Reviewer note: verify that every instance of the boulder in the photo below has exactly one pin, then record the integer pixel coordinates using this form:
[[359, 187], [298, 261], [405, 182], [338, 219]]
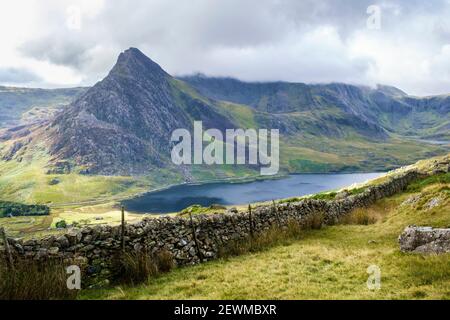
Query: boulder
[[425, 240], [434, 202]]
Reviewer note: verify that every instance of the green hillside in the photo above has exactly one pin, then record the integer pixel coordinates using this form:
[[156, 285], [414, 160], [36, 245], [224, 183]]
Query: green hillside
[[362, 107], [15, 103], [330, 263], [114, 140]]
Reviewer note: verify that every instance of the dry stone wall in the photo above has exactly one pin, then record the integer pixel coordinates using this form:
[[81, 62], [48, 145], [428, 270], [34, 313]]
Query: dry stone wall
[[191, 241]]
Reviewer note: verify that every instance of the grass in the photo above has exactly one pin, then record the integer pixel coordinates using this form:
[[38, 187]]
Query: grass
[[361, 216], [272, 237], [309, 153], [324, 196], [326, 263], [198, 209], [28, 182], [241, 114], [29, 227], [136, 267], [443, 179], [34, 280]]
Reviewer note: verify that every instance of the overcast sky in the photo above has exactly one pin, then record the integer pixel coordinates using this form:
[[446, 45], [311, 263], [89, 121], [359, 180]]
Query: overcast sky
[[55, 43]]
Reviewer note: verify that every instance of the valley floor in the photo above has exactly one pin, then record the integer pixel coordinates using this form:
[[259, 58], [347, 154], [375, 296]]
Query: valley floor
[[330, 263]]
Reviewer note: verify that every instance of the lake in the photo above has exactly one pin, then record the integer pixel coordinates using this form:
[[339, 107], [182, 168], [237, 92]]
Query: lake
[[225, 193]]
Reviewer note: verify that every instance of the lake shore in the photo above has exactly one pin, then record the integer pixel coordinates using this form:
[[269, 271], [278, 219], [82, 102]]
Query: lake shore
[[227, 193]]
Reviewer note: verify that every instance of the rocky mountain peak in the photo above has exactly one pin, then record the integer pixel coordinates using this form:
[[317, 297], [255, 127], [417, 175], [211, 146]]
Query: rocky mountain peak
[[132, 63], [123, 124]]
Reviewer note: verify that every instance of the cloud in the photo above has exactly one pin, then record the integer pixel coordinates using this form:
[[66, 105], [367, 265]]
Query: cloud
[[319, 55], [77, 42], [17, 76], [70, 53]]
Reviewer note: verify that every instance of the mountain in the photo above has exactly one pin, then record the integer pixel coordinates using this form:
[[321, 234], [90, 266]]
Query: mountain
[[18, 105], [379, 108], [122, 126]]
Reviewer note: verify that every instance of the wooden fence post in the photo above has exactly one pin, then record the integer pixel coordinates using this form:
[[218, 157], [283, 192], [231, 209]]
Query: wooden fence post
[[7, 248], [275, 211], [197, 246], [250, 220], [123, 228]]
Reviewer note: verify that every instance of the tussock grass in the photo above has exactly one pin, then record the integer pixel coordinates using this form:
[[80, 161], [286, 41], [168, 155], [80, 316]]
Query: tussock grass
[[132, 268], [360, 216], [313, 221], [35, 280]]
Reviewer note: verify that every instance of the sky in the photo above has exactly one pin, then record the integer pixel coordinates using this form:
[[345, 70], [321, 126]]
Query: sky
[[66, 43]]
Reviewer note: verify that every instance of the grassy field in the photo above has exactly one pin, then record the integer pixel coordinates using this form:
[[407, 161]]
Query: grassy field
[[34, 227], [330, 263], [28, 182]]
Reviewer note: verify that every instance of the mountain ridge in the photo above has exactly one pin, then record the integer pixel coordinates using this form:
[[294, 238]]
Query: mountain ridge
[[370, 104], [124, 122], [122, 125]]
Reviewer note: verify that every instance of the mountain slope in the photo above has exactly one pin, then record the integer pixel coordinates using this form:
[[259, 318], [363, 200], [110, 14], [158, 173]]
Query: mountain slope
[[15, 103], [123, 124], [121, 127], [383, 107]]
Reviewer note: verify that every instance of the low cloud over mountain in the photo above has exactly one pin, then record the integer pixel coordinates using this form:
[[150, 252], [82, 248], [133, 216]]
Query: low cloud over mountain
[[298, 41]]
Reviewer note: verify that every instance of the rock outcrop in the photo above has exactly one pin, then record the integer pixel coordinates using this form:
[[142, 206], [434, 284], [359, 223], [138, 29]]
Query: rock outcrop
[[425, 240], [122, 125]]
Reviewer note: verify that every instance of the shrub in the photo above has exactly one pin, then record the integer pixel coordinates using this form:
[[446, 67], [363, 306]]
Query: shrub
[[132, 268], [324, 196], [289, 200], [164, 261], [34, 280], [313, 221], [19, 209], [360, 216], [61, 224], [356, 191], [194, 209]]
